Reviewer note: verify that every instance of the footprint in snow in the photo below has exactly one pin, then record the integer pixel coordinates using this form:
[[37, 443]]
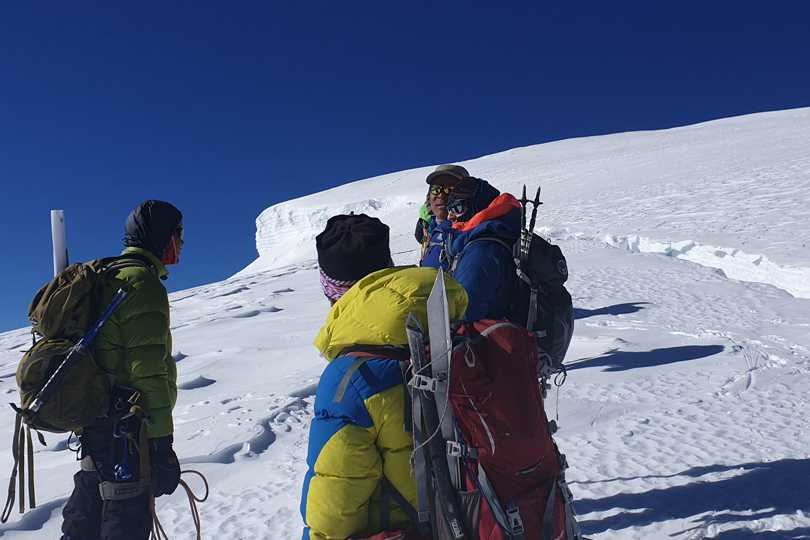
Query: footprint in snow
[[179, 356], [231, 292], [198, 382], [283, 291], [247, 314], [254, 312]]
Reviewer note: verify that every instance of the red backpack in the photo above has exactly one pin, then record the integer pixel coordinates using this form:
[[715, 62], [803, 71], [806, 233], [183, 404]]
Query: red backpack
[[493, 471]]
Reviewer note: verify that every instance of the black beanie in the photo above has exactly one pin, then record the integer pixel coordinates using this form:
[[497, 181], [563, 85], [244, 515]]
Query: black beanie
[[151, 225], [353, 246]]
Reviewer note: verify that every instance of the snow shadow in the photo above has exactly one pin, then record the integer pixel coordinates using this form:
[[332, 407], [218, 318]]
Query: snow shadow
[[760, 491], [197, 382], [748, 534], [34, 520], [616, 360], [616, 309], [256, 445]]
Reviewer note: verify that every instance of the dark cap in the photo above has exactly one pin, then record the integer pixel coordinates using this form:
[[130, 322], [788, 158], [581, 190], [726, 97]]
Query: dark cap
[[447, 175], [353, 246]]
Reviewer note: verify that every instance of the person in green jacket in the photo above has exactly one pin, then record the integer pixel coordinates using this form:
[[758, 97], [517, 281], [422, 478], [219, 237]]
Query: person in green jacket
[[111, 499]]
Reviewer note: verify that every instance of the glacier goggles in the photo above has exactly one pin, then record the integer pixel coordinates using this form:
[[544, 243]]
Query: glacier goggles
[[437, 190], [458, 205]]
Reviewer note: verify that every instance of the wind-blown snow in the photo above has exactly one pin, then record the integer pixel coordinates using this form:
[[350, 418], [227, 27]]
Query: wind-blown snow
[[685, 410]]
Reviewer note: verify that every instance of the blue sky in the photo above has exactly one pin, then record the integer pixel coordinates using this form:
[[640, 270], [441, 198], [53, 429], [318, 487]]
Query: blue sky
[[227, 108]]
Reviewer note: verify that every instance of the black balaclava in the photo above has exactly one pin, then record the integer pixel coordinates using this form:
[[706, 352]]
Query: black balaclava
[[479, 194], [150, 226]]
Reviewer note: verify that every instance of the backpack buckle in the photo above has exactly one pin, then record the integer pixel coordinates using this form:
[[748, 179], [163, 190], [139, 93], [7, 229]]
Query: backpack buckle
[[420, 382], [459, 450], [515, 521]]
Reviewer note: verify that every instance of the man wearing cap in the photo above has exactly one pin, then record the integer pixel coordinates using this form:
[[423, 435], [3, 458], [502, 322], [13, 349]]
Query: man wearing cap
[[431, 215], [475, 244], [359, 450]]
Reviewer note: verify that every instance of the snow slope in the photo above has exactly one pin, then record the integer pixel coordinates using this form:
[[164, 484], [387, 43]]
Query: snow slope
[[684, 413]]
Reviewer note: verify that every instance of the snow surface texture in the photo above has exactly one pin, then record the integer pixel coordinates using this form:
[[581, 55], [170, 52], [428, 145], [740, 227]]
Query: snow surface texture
[[684, 413]]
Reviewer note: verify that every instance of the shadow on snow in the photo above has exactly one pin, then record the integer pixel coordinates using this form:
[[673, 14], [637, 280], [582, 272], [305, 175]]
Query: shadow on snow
[[761, 491], [616, 309], [34, 519], [748, 534], [616, 360]]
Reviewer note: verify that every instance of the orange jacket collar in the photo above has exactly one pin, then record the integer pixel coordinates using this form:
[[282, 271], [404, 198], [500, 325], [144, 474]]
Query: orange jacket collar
[[500, 206]]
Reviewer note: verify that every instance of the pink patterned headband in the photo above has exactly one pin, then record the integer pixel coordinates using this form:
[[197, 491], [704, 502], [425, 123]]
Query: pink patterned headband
[[333, 288]]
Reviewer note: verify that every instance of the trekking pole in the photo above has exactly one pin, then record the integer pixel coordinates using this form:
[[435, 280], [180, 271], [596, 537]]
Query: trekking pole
[[60, 254], [536, 202], [83, 344], [523, 201]]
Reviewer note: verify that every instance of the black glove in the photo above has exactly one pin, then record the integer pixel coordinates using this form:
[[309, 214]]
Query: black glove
[[165, 467]]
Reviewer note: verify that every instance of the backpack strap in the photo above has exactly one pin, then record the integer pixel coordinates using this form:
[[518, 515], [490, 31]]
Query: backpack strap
[[387, 489], [22, 447], [360, 359], [129, 260], [457, 258], [362, 354], [498, 511]]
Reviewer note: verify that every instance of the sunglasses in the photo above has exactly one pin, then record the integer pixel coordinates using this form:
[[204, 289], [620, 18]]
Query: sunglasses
[[457, 206], [438, 190]]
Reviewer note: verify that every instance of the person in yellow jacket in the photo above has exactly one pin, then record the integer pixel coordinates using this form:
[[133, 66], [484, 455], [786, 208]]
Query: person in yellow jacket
[[358, 438]]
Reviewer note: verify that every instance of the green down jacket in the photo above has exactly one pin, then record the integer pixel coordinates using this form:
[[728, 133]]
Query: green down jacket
[[136, 345]]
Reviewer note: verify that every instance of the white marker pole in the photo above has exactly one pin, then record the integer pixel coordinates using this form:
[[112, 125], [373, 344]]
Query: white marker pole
[[60, 255]]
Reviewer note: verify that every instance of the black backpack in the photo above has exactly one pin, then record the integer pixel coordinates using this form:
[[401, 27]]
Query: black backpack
[[539, 300]]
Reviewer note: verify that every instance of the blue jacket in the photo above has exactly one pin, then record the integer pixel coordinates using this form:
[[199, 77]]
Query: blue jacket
[[352, 443], [486, 268]]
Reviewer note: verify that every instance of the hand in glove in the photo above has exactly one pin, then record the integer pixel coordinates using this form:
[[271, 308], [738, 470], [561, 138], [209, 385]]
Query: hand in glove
[[165, 467]]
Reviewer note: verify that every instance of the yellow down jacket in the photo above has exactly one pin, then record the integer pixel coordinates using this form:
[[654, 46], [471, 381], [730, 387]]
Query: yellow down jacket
[[358, 432]]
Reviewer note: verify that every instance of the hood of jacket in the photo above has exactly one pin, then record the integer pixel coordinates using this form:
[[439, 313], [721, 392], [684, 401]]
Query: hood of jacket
[[483, 195], [375, 309], [150, 226]]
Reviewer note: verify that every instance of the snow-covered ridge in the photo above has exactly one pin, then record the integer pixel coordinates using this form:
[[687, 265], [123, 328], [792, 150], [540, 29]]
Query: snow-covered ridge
[[742, 184], [286, 232]]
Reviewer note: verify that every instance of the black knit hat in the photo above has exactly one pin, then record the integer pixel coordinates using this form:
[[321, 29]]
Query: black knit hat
[[151, 225], [353, 246]]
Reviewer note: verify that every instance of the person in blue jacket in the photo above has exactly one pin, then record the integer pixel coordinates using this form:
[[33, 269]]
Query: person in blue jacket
[[475, 244]]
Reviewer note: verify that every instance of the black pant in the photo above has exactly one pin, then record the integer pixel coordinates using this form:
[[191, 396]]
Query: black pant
[[86, 515]]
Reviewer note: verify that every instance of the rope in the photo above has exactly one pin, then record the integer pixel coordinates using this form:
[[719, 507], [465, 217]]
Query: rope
[[158, 533]]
